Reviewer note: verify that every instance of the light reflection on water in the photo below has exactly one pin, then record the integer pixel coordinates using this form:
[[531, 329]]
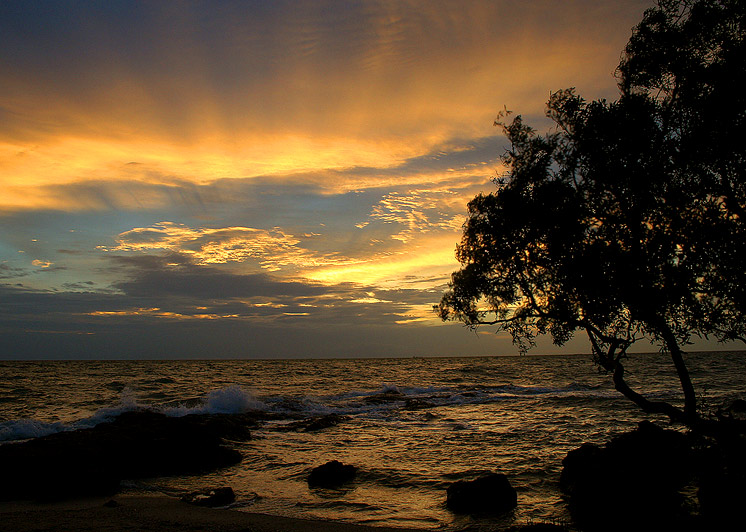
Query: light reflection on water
[[516, 415]]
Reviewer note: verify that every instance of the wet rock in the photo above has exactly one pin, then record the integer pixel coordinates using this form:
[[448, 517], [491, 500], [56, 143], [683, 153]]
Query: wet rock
[[331, 474], [385, 397], [135, 445], [324, 422], [490, 493], [417, 404], [211, 497], [639, 473], [389, 393]]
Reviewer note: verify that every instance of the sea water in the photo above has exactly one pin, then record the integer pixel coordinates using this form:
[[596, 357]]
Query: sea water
[[413, 426]]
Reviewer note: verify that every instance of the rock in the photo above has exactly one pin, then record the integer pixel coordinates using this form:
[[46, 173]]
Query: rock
[[578, 466], [387, 396], [211, 497], [722, 475], [324, 422], [331, 474], [490, 493], [639, 474], [135, 445], [417, 404]]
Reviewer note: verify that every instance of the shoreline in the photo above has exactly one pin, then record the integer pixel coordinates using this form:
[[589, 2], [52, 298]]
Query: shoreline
[[156, 513]]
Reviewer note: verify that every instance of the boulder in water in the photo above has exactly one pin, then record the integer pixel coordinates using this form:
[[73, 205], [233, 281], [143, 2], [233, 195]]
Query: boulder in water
[[413, 403], [324, 422], [331, 474], [639, 473], [135, 445], [491, 493]]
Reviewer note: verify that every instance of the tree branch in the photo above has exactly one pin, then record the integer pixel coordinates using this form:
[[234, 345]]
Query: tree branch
[[611, 361]]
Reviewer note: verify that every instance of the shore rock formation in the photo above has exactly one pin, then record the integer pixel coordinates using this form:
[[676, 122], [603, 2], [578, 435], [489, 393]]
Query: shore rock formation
[[136, 444], [331, 474], [637, 477], [490, 493]]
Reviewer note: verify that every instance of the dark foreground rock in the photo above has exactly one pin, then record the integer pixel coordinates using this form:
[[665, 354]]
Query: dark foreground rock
[[331, 474], [634, 480], [211, 498], [490, 493], [722, 472], [135, 445]]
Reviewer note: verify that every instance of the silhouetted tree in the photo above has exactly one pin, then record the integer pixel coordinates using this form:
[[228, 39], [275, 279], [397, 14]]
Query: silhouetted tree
[[626, 221]]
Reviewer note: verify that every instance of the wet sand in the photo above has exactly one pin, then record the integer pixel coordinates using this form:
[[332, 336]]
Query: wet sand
[[151, 513]]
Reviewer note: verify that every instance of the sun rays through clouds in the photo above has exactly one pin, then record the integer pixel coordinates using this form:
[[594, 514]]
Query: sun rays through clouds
[[253, 171]]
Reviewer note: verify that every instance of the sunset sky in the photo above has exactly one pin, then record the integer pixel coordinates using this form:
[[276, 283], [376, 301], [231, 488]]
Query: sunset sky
[[263, 178]]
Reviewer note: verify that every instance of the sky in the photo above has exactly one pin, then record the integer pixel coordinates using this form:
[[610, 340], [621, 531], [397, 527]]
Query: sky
[[264, 179]]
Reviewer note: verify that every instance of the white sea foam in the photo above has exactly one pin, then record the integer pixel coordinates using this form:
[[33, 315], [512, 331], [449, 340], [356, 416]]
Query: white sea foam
[[232, 399], [24, 429]]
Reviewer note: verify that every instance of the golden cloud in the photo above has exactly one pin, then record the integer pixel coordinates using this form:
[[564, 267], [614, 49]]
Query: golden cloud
[[372, 86]]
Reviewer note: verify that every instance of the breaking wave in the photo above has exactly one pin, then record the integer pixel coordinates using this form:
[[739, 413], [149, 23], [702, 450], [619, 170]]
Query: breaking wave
[[231, 399]]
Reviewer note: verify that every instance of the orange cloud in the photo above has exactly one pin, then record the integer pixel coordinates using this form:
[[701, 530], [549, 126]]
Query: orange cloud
[[271, 250], [371, 86]]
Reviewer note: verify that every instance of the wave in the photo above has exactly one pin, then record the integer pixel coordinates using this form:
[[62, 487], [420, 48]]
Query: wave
[[231, 399], [379, 402], [24, 429]]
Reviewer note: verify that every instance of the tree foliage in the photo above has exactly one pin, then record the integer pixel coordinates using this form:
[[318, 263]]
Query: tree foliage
[[626, 221]]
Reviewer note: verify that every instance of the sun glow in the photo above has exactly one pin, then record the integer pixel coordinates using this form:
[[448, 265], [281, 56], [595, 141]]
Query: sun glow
[[424, 265]]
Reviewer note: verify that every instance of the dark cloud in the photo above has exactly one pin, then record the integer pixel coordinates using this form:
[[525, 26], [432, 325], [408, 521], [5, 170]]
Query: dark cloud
[[11, 272], [82, 285], [175, 275], [145, 320]]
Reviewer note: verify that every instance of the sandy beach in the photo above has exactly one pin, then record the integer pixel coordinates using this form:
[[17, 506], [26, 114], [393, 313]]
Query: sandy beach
[[154, 513]]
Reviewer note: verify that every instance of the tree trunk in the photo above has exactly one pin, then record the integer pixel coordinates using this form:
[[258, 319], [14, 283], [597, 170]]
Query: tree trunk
[[677, 356]]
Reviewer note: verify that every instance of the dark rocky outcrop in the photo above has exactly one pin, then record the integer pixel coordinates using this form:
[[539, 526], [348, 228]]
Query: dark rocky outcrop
[[656, 479], [211, 497], [331, 474], [490, 493], [135, 445], [721, 462], [635, 479]]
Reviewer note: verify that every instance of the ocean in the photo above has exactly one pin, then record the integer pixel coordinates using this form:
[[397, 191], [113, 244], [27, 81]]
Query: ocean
[[413, 426]]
